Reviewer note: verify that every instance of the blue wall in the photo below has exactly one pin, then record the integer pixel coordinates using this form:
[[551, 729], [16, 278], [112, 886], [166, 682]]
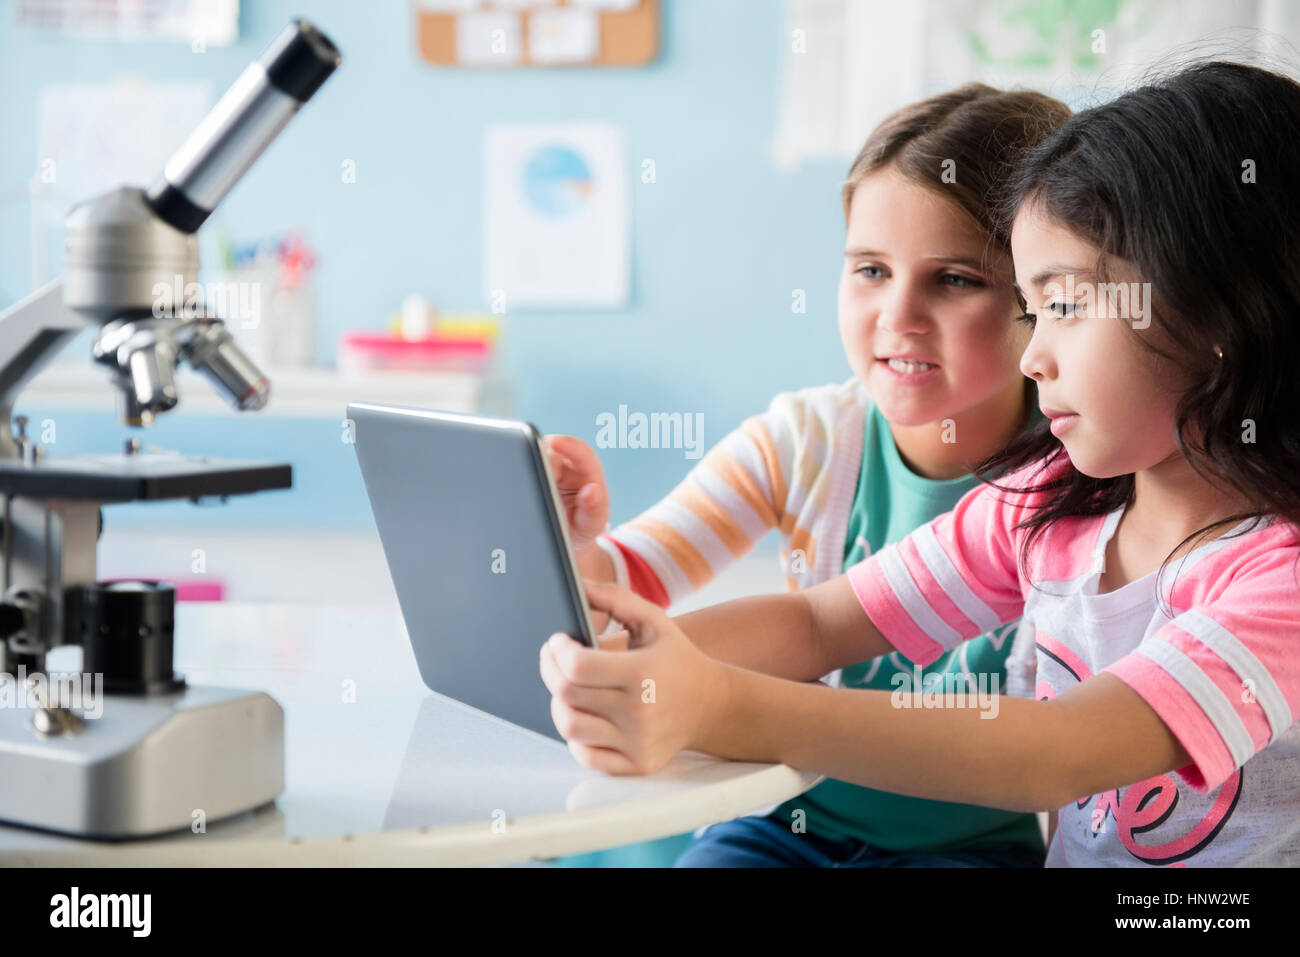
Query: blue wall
[[719, 241]]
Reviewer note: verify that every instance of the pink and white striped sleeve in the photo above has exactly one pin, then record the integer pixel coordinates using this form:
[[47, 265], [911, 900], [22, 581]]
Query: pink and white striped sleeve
[[951, 579], [1224, 675]]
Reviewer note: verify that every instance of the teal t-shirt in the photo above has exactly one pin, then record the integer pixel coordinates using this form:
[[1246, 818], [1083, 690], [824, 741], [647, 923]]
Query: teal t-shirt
[[892, 501]]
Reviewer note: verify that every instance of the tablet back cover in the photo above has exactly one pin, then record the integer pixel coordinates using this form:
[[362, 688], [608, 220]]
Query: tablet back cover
[[479, 569]]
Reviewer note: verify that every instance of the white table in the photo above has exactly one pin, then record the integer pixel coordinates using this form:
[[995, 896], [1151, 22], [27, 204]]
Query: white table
[[402, 776]]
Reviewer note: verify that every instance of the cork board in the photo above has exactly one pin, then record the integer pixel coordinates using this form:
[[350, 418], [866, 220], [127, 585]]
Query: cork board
[[503, 34]]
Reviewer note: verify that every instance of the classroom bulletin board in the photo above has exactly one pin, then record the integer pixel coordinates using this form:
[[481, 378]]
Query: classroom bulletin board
[[537, 33]]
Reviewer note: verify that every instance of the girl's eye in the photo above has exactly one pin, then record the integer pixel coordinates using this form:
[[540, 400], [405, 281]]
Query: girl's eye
[[1061, 309], [958, 281], [879, 272], [1028, 318]]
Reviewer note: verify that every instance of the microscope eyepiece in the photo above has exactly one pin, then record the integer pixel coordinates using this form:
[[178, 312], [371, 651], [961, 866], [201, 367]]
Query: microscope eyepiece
[[300, 59], [243, 123]]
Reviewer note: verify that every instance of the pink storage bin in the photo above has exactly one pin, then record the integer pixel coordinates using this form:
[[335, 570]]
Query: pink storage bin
[[380, 352]]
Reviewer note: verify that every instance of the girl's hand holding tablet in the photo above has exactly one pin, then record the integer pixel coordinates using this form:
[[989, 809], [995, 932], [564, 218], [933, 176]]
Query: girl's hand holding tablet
[[580, 480], [629, 713]]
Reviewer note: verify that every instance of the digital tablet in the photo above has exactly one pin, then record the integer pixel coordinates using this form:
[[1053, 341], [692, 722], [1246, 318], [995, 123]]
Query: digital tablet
[[478, 549]]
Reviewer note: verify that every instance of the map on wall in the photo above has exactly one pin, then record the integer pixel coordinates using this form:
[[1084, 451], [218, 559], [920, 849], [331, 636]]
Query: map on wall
[[849, 63], [1096, 46]]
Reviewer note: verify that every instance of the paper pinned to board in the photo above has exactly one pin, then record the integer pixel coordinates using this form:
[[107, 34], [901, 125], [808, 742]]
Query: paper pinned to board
[[489, 37], [557, 216], [95, 137], [564, 35]]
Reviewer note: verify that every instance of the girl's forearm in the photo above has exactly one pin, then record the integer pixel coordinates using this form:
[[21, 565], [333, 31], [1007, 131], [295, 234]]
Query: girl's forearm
[[773, 634], [1011, 760]]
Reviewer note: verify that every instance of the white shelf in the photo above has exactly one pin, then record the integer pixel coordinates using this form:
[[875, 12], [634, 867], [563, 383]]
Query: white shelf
[[295, 393]]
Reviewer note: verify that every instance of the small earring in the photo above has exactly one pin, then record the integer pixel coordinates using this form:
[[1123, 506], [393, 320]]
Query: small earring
[[1218, 352]]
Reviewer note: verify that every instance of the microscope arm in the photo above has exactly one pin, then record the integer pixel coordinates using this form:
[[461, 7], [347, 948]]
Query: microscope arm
[[32, 331]]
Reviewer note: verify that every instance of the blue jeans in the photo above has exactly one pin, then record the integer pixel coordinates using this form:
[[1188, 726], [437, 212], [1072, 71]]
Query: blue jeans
[[762, 842]]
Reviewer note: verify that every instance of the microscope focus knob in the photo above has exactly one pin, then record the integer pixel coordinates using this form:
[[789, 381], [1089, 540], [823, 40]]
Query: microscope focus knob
[[12, 619], [125, 632]]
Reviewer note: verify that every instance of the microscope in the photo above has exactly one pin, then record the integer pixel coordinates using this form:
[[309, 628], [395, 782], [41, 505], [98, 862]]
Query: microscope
[[153, 753]]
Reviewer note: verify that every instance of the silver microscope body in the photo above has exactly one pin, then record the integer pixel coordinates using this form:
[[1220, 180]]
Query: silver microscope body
[[155, 754]]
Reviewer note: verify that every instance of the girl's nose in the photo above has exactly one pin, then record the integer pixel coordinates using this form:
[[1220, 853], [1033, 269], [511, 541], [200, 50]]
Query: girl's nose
[[1035, 362], [903, 312]]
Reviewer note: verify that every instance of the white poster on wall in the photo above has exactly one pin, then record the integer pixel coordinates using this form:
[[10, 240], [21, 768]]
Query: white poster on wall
[[200, 23], [557, 216], [95, 137]]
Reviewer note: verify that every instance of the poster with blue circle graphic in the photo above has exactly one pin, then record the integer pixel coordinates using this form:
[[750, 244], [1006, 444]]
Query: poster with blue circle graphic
[[557, 216], [557, 181]]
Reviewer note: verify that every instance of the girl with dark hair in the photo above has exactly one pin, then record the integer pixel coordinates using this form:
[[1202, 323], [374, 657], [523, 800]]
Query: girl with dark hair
[[1153, 249]]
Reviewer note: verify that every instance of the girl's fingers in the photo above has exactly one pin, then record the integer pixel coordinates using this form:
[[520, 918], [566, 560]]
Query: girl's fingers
[[572, 462], [609, 760], [560, 444], [633, 611], [603, 702], [588, 667], [562, 470], [618, 641], [590, 517], [551, 676], [589, 729], [578, 452]]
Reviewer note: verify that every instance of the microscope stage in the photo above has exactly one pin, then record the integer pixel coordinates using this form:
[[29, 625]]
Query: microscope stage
[[142, 476]]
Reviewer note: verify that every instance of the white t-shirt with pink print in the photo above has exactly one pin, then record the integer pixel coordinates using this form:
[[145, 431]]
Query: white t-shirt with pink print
[[1218, 660]]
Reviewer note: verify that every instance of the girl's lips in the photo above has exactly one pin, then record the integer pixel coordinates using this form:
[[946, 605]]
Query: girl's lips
[[1063, 423], [907, 378]]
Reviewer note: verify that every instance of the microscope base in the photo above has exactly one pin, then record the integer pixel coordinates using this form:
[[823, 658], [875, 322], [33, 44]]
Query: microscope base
[[146, 765]]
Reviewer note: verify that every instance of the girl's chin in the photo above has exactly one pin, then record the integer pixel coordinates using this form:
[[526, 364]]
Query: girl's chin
[[908, 415], [906, 409], [1092, 465]]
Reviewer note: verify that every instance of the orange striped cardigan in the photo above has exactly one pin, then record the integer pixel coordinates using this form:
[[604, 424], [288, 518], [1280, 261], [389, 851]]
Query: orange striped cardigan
[[793, 467]]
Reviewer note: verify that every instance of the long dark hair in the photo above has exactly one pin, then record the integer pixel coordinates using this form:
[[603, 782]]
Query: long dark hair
[[1195, 181]]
